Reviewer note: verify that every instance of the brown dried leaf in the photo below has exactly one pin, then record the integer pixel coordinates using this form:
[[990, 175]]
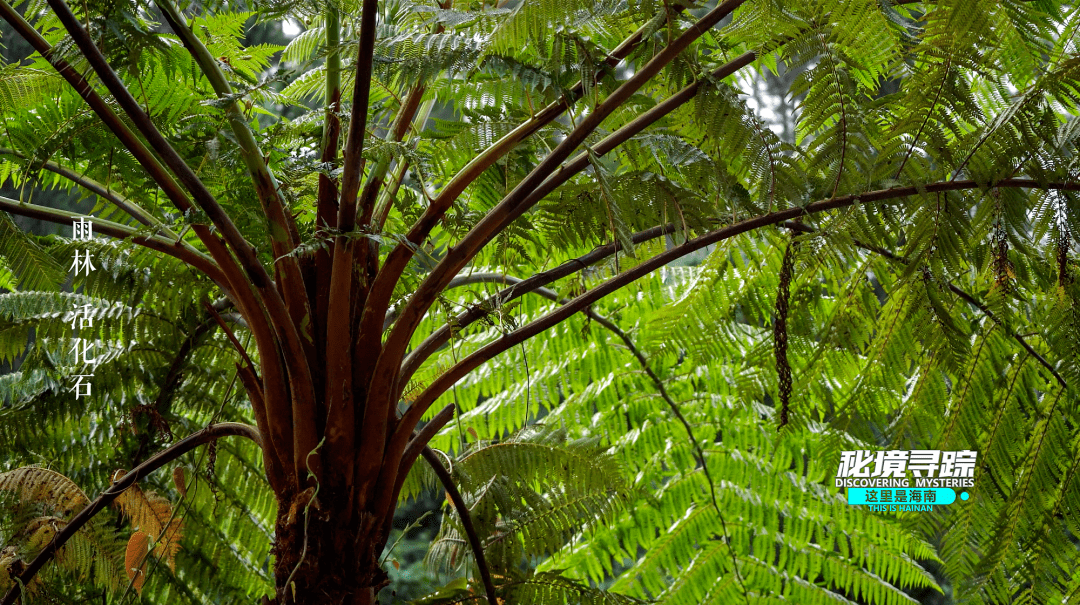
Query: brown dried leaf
[[135, 558], [180, 480], [152, 514]]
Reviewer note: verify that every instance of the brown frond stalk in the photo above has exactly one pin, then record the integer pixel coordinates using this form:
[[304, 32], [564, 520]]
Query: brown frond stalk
[[466, 520]]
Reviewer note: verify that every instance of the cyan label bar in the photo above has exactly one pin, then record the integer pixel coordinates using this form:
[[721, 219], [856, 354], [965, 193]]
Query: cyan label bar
[[901, 495]]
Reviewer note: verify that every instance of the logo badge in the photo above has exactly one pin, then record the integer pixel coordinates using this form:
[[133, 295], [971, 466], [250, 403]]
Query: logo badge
[[906, 480]]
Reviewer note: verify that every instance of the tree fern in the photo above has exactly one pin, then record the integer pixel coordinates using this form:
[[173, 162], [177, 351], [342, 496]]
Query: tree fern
[[640, 327]]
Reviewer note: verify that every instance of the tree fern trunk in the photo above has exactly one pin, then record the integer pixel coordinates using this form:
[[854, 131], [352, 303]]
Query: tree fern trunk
[[320, 561]]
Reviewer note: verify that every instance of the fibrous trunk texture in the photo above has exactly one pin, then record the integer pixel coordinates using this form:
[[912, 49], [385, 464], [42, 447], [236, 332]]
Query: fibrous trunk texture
[[321, 560]]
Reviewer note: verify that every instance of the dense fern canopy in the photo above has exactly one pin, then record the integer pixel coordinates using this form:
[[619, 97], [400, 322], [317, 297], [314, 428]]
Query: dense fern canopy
[[636, 319]]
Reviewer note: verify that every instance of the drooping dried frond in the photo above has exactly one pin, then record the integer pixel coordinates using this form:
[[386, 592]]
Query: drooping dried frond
[[92, 555], [55, 491]]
